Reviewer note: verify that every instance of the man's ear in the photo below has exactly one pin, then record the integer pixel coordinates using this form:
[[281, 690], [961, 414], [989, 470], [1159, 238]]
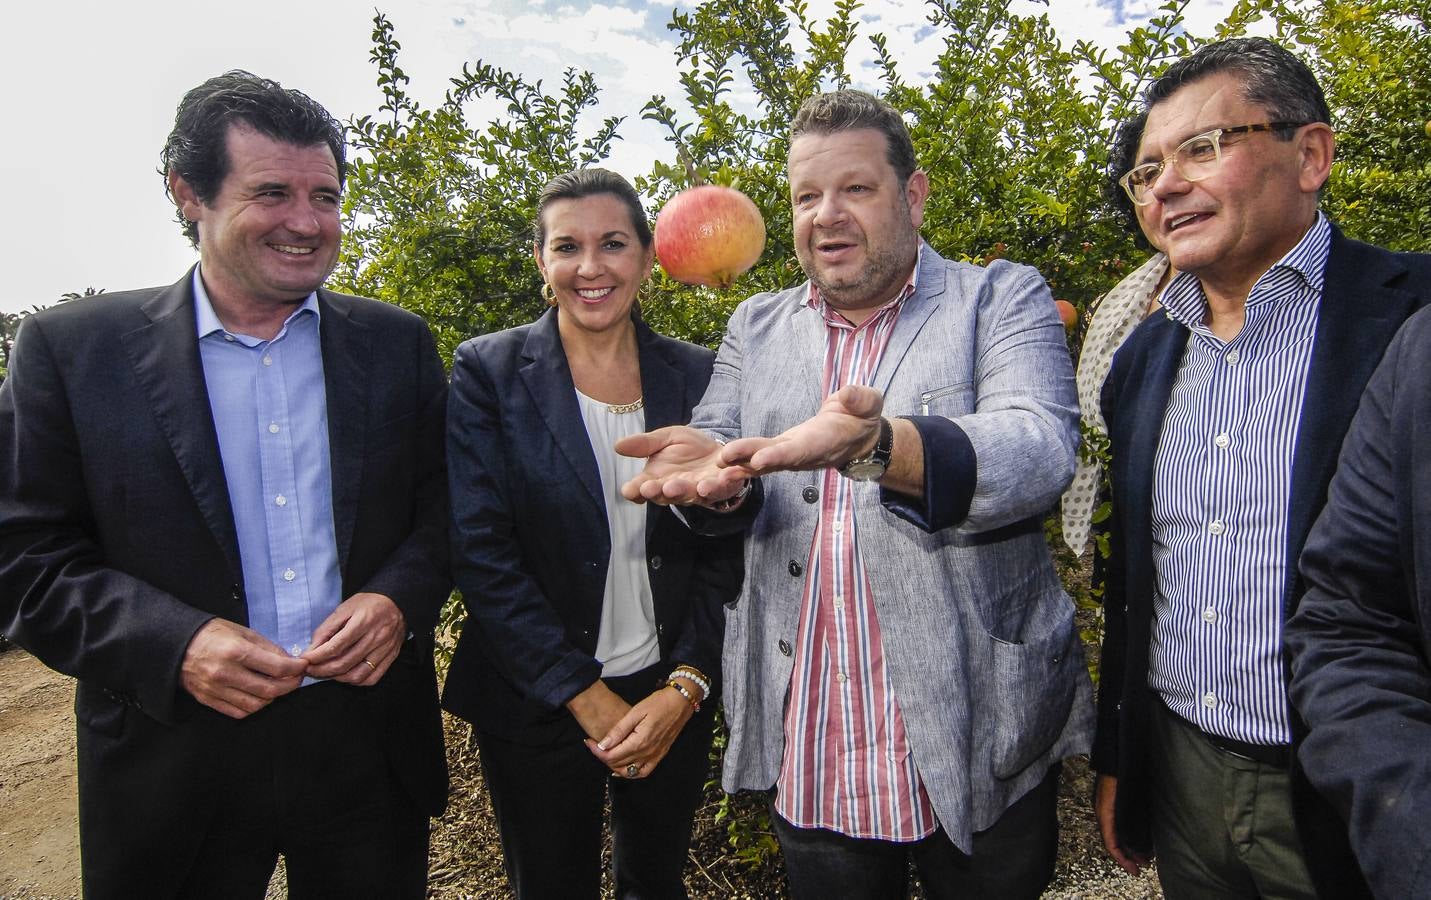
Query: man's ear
[[916, 191], [185, 198], [1316, 147]]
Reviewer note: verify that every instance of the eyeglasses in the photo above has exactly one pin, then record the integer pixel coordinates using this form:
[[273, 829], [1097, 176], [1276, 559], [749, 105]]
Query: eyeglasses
[[1195, 159]]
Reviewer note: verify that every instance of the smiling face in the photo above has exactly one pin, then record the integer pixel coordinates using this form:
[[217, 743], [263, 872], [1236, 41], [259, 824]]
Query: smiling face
[[593, 260], [270, 235], [856, 225], [1234, 225]]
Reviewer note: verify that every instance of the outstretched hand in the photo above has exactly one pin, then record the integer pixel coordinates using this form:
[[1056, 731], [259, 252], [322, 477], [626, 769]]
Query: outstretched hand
[[846, 427], [683, 466]]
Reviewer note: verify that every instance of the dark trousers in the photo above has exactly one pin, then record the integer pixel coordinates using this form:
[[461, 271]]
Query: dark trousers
[[549, 800], [1222, 825], [315, 786], [1011, 859]]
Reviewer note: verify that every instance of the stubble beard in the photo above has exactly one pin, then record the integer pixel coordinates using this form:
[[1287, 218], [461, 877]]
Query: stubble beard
[[876, 284]]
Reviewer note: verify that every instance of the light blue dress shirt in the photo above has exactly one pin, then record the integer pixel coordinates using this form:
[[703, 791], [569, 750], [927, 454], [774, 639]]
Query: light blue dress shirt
[[271, 414]]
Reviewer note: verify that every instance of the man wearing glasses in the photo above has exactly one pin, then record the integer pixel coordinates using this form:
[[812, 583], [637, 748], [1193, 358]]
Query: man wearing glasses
[[1225, 416]]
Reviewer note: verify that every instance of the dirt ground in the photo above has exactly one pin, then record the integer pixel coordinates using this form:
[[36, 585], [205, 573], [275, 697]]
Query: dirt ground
[[39, 840], [39, 847]]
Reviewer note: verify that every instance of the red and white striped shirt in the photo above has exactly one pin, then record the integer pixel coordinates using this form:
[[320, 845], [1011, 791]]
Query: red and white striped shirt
[[847, 765]]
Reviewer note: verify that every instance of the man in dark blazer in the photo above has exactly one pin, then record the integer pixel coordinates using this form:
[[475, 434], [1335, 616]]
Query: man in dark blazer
[[1225, 412], [1361, 640], [222, 509]]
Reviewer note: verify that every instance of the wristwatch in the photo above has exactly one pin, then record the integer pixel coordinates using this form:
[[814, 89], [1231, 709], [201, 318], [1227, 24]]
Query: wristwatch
[[872, 467]]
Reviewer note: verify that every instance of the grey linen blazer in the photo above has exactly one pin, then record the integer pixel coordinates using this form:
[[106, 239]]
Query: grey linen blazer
[[978, 633]]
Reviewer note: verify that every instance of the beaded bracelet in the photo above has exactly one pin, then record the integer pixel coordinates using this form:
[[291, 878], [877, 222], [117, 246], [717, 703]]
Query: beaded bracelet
[[680, 689], [695, 676]]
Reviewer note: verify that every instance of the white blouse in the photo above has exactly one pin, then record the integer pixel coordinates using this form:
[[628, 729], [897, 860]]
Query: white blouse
[[627, 640]]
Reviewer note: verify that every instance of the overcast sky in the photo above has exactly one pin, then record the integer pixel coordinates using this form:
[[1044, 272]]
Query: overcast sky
[[92, 86]]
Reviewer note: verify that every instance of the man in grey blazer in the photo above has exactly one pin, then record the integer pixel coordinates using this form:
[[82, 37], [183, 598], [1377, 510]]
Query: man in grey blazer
[[902, 666], [223, 509]]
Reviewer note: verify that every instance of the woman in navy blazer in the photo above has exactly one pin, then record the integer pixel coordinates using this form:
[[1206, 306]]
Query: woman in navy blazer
[[591, 648]]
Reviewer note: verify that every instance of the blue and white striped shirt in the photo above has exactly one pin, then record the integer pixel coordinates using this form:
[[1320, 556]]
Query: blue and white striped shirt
[[1221, 489]]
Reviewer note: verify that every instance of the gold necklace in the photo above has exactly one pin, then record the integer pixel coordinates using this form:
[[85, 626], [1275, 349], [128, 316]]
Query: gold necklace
[[622, 408]]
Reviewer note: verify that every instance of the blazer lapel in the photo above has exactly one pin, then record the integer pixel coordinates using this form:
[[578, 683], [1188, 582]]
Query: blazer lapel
[[165, 357], [917, 310], [1358, 316], [548, 380], [663, 390], [1141, 414], [346, 345]]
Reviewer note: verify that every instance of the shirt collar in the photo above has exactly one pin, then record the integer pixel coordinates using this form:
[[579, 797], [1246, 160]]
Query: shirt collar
[[207, 321], [1186, 303], [817, 303]]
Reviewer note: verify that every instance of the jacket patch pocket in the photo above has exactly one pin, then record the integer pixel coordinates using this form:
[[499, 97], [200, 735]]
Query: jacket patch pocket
[[1034, 686]]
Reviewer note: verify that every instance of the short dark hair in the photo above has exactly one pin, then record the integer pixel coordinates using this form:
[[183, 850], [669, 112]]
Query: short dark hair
[[1271, 75], [197, 150], [587, 183], [1122, 156], [848, 109]]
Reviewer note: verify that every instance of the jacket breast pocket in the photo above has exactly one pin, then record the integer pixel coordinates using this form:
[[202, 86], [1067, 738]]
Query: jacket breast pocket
[[950, 400], [391, 432]]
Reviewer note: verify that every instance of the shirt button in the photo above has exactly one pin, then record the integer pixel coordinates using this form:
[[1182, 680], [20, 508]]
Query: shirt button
[[1232, 357], [840, 677], [273, 428], [810, 494], [1216, 527], [267, 360], [295, 650], [838, 527], [1209, 615], [230, 338], [280, 500], [289, 574], [839, 604], [1209, 699], [1222, 440]]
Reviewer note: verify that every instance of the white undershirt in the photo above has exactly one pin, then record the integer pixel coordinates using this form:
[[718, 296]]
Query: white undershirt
[[627, 640]]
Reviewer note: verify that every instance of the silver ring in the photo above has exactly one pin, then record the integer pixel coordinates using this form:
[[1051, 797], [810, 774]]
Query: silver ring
[[633, 770]]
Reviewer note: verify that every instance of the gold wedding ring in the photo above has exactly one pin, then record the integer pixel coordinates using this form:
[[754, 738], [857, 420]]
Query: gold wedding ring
[[370, 664]]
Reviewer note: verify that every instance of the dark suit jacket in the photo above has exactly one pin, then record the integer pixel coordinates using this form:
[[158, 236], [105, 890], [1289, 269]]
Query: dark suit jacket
[[530, 538], [117, 542], [1361, 640], [1368, 293]]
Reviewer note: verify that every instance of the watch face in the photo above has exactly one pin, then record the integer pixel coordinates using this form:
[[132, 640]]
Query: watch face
[[863, 470]]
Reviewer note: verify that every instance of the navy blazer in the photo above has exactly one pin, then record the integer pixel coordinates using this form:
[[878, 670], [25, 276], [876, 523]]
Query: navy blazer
[[117, 542], [1368, 292], [530, 538], [1361, 640]]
